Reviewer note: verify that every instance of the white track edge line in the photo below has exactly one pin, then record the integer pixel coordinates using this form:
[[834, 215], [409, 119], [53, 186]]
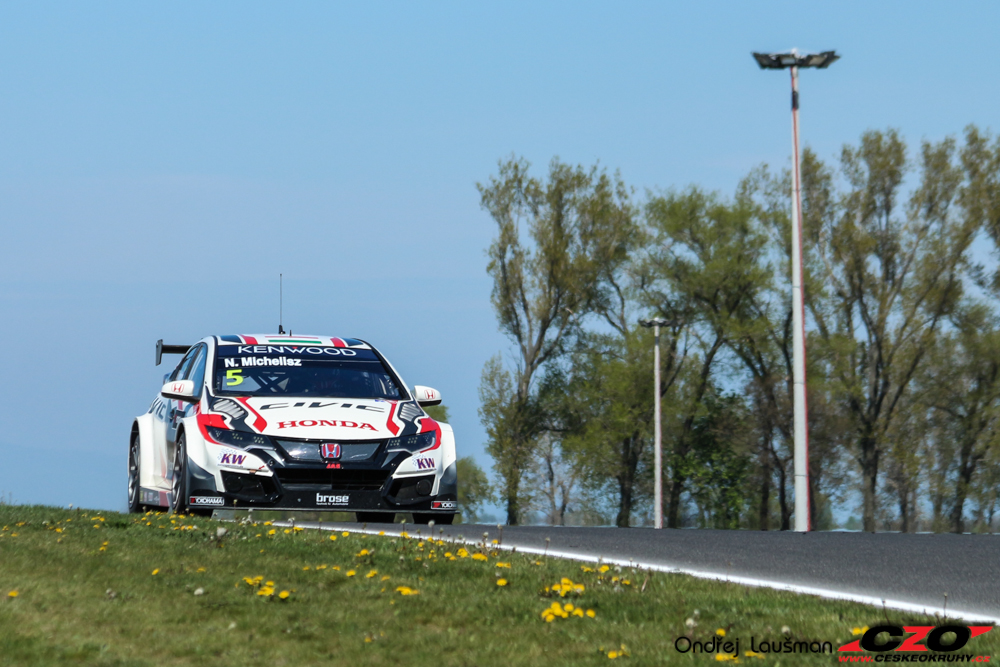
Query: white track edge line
[[830, 594]]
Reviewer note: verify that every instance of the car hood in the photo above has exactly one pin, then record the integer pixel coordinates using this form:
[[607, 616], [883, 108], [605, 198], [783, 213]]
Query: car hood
[[321, 419]]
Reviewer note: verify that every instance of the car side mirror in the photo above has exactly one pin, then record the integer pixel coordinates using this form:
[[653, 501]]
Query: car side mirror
[[426, 396], [180, 390]]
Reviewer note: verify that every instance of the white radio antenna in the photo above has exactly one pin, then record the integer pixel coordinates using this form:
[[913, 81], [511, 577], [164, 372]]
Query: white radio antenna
[[281, 294]]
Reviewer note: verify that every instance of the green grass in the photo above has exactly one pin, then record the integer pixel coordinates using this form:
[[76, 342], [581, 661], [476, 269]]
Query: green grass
[[77, 604]]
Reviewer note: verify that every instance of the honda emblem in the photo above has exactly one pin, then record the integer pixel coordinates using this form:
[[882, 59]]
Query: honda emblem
[[331, 450]]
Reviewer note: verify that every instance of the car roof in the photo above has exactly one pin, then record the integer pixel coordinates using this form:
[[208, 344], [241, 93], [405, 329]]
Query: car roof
[[288, 339]]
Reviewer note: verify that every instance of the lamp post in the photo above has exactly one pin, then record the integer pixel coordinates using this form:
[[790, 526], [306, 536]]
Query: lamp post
[[656, 323], [793, 60]]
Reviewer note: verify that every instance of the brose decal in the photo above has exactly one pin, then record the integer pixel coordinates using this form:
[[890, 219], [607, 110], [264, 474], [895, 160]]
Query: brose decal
[[206, 500], [331, 500]]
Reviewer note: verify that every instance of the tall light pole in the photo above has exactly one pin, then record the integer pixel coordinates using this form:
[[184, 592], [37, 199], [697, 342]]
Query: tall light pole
[[793, 61], [656, 323]]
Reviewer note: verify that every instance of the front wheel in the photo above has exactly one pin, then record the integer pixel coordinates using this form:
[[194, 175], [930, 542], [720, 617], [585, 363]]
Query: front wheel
[[178, 486], [134, 490]]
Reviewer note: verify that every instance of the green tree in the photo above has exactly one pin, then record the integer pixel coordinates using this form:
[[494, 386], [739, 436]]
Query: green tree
[[544, 283], [706, 263], [473, 489], [891, 279]]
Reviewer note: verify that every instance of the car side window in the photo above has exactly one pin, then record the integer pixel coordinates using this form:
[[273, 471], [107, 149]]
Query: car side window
[[197, 372], [181, 372]]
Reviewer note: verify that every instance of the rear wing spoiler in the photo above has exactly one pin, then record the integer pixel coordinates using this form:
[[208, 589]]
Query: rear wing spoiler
[[162, 349]]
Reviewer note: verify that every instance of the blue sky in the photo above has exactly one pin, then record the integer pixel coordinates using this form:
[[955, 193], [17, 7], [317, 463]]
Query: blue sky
[[161, 163]]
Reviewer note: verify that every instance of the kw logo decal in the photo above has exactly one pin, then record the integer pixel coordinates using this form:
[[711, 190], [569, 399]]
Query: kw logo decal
[[425, 464], [228, 458]]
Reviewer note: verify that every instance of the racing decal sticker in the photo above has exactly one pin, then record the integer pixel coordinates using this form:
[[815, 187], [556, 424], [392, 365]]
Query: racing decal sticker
[[233, 362], [443, 505], [231, 458], [259, 423], [206, 500], [322, 499], [424, 463], [325, 422], [321, 404]]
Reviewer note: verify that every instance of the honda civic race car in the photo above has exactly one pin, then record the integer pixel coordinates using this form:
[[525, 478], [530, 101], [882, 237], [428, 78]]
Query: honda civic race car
[[291, 423]]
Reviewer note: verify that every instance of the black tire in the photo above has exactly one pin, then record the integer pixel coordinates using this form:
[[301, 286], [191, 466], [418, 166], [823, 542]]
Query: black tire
[[179, 484], [375, 517], [438, 519], [134, 490]]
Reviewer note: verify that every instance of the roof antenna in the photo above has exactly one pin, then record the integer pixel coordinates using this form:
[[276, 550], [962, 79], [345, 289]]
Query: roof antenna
[[281, 319]]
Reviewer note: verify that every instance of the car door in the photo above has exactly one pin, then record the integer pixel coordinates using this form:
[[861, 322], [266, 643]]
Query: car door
[[172, 412]]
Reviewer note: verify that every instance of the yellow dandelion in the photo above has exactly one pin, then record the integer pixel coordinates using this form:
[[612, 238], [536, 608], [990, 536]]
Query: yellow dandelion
[[506, 565], [479, 557], [859, 631], [156, 571], [363, 552], [447, 554], [200, 569], [549, 618], [284, 595], [371, 574], [721, 632], [337, 568], [612, 654], [306, 568], [333, 538], [321, 567], [266, 591], [501, 582], [753, 654], [345, 533], [287, 530], [298, 529], [602, 569], [591, 613], [351, 573], [586, 569], [404, 534], [272, 531], [381, 532], [12, 594], [462, 553], [386, 577]]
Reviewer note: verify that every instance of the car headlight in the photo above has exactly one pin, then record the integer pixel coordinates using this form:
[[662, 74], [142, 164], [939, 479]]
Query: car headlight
[[241, 439], [412, 443]]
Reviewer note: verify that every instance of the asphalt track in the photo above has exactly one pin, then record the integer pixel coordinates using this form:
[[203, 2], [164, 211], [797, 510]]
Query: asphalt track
[[908, 572]]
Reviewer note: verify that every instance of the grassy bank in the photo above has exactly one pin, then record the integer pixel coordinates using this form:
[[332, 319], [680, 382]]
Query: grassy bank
[[112, 589]]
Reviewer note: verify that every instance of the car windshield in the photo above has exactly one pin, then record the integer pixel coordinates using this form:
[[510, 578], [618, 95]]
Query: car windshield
[[328, 372]]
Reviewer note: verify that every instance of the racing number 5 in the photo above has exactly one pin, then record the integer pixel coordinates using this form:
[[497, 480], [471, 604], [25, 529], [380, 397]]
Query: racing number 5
[[234, 376]]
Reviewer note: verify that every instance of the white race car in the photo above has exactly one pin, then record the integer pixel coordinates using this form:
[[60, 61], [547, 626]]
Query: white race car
[[291, 423]]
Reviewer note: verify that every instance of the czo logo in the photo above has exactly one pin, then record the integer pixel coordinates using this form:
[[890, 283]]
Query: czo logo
[[924, 637], [331, 450]]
